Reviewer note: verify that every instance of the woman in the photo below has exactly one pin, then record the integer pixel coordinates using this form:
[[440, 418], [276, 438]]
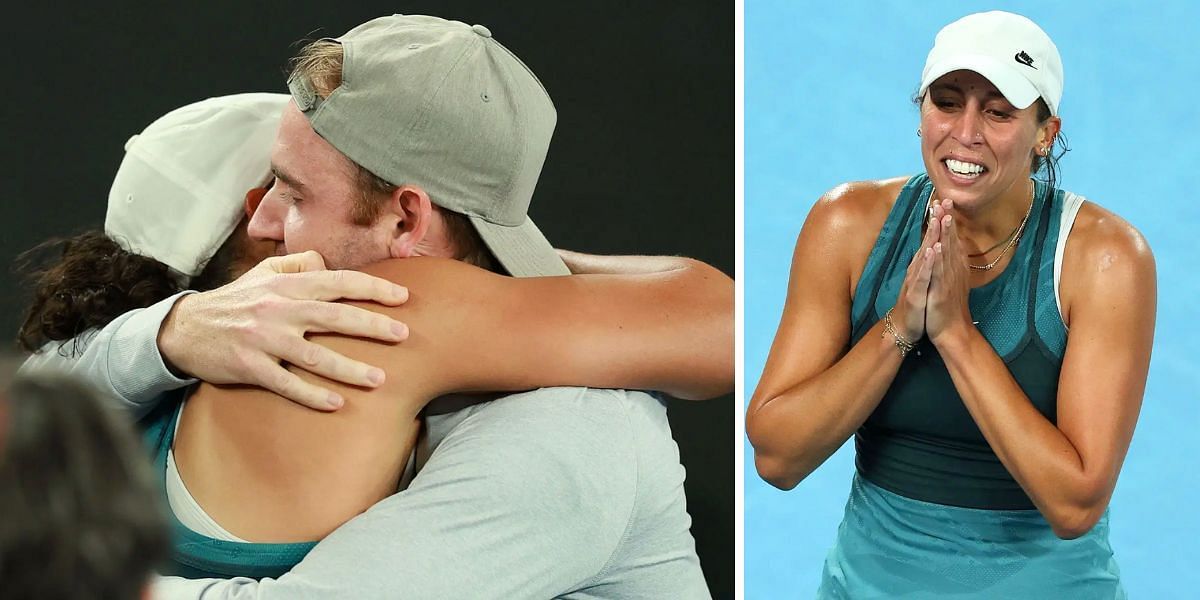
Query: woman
[[929, 318], [256, 498]]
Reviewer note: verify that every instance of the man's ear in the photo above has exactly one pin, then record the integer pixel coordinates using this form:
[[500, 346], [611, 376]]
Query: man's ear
[[410, 214], [254, 197]]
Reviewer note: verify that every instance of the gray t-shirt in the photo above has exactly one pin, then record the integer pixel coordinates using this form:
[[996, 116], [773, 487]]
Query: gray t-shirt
[[558, 492]]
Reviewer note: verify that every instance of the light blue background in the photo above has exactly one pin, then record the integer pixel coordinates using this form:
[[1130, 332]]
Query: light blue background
[[827, 100]]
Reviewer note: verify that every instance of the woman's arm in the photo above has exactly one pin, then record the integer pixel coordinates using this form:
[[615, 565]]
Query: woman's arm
[[700, 301], [1108, 293], [669, 330], [814, 393]]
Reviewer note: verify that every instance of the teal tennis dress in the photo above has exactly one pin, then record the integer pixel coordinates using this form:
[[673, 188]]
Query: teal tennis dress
[[194, 555], [932, 511]]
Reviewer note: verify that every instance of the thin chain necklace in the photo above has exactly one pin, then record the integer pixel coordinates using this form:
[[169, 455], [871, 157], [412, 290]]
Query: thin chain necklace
[[1012, 238]]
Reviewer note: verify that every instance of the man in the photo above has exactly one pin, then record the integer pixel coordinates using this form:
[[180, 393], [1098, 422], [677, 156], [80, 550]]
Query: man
[[606, 514]]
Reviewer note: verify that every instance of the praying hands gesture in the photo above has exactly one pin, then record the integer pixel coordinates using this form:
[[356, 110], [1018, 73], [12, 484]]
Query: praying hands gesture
[[947, 314], [933, 298], [909, 314]]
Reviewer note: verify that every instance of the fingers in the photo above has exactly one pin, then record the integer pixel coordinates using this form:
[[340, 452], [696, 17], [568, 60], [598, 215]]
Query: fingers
[[289, 385], [294, 263], [350, 320], [932, 235], [952, 244], [923, 276], [322, 361], [949, 233], [939, 262], [343, 285]]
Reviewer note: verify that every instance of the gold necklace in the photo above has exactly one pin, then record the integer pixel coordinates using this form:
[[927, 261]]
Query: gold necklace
[[1013, 237]]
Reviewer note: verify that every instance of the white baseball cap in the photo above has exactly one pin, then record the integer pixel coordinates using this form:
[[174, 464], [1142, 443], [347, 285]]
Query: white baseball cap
[[1008, 49], [181, 188]]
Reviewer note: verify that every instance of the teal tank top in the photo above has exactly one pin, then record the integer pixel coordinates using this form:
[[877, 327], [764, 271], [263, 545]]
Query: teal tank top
[[920, 442], [197, 556]]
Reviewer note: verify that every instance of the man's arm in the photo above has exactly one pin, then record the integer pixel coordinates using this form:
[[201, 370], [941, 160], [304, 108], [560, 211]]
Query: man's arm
[[121, 361], [237, 333]]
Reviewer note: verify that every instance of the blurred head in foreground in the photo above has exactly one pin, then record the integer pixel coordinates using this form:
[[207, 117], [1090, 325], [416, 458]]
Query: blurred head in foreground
[[78, 517]]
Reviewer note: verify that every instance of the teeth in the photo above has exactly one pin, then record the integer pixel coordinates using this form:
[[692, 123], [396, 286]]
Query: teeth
[[963, 168]]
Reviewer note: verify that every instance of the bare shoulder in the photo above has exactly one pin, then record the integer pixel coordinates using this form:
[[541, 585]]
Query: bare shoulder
[[844, 223], [1106, 259], [1101, 241], [856, 205]]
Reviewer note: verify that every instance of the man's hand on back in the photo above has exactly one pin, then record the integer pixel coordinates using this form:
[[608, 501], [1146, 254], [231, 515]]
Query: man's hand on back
[[240, 332]]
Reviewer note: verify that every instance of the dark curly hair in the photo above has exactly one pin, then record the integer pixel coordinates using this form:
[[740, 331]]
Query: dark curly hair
[[96, 279], [80, 516]]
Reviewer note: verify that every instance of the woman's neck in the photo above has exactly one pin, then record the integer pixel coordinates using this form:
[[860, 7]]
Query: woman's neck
[[982, 225]]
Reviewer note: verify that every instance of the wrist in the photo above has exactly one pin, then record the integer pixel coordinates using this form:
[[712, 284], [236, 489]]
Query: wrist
[[900, 322], [894, 334], [955, 339], [169, 338]]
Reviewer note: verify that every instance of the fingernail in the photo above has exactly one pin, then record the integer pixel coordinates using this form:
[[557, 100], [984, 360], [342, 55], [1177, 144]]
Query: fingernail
[[375, 376], [400, 292], [400, 330], [335, 400]]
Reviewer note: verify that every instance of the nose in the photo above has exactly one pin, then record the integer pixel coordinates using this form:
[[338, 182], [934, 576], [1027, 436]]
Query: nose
[[967, 128], [267, 222]]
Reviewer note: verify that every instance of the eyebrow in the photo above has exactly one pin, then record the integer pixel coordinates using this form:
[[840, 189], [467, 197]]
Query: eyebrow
[[286, 177], [953, 88]]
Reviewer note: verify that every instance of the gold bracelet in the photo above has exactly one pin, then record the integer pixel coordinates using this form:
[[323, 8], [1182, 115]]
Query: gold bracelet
[[904, 345]]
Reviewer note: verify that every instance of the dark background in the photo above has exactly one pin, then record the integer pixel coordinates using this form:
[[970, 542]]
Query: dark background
[[642, 159]]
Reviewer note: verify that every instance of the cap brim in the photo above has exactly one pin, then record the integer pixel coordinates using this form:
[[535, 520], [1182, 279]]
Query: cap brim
[[1007, 78], [522, 250]]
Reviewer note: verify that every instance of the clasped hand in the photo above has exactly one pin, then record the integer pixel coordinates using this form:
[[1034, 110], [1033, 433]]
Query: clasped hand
[[933, 298]]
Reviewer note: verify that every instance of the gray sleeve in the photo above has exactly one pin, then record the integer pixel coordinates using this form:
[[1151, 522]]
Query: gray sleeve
[[514, 505], [121, 360]]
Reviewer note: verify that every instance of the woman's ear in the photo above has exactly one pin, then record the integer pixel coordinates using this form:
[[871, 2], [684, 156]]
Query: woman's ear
[[1048, 131], [254, 197]]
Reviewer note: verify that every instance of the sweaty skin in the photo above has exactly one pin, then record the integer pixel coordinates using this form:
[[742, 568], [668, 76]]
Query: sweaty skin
[[269, 470]]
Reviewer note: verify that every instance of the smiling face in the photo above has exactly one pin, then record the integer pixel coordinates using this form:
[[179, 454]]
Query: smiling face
[[977, 147]]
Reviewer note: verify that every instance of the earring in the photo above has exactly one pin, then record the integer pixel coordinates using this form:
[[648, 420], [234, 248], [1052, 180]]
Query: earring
[[918, 132]]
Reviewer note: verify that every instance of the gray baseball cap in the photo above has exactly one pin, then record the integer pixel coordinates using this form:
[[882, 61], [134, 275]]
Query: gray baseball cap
[[442, 105]]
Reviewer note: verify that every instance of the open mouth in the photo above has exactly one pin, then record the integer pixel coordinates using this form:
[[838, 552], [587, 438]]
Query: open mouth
[[963, 169]]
